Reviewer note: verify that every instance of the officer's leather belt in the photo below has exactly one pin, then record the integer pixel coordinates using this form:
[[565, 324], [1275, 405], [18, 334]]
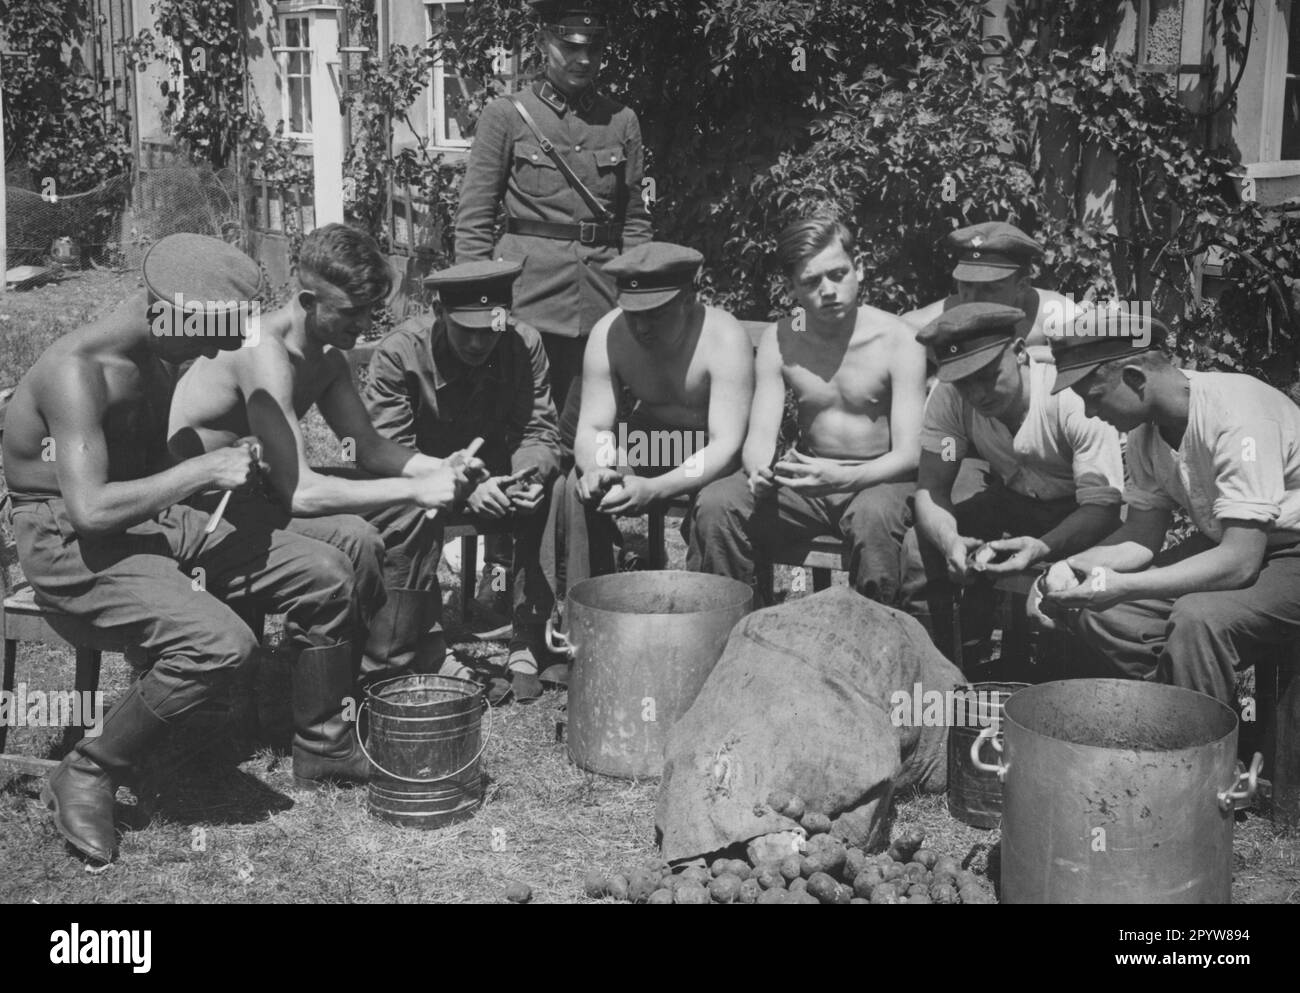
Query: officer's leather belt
[[587, 233]]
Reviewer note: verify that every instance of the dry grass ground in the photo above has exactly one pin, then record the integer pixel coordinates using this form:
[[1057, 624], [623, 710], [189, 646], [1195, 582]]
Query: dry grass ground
[[229, 826]]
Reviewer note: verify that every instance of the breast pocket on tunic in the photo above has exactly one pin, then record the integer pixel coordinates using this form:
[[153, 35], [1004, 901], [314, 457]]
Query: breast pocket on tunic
[[610, 167], [535, 173]]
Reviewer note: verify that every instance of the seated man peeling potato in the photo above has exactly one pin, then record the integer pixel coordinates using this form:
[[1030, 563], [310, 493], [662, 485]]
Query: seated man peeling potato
[[105, 534], [438, 382], [265, 391], [1057, 474], [858, 379], [666, 389], [1226, 449]]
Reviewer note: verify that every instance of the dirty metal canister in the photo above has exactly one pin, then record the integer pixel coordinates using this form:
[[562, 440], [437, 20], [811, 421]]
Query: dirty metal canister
[[975, 796]]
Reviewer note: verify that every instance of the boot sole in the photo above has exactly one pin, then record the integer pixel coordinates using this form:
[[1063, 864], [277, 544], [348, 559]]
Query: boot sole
[[52, 803]]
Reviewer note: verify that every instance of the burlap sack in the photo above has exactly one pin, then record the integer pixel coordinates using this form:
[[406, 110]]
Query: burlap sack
[[801, 701]]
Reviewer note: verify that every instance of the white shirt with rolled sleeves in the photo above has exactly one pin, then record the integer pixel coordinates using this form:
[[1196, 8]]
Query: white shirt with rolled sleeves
[[1058, 451], [1239, 459]]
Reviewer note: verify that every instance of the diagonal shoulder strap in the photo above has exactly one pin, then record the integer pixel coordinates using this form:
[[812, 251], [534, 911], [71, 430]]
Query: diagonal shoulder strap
[[601, 214]]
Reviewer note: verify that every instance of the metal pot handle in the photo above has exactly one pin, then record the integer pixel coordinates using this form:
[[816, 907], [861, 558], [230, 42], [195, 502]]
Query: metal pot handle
[[989, 734], [1242, 791], [558, 643]]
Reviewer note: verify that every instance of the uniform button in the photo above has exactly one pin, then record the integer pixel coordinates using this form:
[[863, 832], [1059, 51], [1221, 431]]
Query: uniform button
[[534, 156], [577, 148]]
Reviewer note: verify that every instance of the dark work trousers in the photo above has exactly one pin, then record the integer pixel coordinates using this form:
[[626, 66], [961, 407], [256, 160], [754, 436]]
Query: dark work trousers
[[162, 584], [565, 358], [1199, 640], [731, 531], [351, 534], [413, 546], [580, 539], [988, 515]]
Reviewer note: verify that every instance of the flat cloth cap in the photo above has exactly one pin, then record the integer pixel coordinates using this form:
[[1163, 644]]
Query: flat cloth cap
[[990, 251], [203, 279], [970, 336], [579, 22], [1099, 336], [476, 294], [650, 275]]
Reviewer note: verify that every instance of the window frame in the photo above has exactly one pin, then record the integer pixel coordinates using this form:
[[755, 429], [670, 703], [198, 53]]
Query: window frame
[[282, 54], [439, 133]]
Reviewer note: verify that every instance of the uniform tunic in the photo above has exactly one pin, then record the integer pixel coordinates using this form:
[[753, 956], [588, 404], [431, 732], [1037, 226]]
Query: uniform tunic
[[420, 394], [562, 290]]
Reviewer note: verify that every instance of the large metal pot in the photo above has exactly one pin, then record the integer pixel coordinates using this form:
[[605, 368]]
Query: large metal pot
[[1117, 791], [642, 645]]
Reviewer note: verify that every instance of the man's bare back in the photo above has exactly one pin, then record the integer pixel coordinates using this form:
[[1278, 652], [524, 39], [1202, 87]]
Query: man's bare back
[[842, 388]]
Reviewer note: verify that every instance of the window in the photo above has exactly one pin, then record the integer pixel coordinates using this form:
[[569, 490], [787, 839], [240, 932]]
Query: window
[[177, 69], [295, 57], [1291, 96], [451, 94]]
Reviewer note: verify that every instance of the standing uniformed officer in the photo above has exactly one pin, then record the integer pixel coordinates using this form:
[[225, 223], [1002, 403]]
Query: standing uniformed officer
[[436, 383], [994, 265], [1056, 474], [567, 164]]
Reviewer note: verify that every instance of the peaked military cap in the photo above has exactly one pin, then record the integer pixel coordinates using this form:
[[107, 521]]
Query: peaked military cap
[[970, 336], [477, 294], [579, 22], [1101, 335], [206, 280], [990, 251], [650, 275]]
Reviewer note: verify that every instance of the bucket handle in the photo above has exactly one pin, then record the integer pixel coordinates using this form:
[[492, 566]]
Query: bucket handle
[[1242, 791], [436, 779], [559, 643], [988, 734]]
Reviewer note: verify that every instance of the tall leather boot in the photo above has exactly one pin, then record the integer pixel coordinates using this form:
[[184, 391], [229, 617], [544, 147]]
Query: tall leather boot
[[325, 746], [81, 790], [401, 642]]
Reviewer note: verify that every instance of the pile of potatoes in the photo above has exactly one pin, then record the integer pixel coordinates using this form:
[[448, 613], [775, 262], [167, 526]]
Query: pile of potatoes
[[827, 871]]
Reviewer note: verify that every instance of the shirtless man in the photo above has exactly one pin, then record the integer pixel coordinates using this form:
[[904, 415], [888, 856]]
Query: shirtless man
[[993, 266], [103, 534], [858, 378], [265, 391], [666, 388]]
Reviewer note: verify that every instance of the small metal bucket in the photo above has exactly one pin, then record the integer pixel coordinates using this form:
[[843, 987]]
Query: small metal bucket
[[425, 742]]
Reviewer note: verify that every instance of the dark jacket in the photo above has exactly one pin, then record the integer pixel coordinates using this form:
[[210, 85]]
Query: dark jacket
[[562, 289], [421, 395]]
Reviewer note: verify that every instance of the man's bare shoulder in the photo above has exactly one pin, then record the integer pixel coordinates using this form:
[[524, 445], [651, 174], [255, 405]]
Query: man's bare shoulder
[[607, 323], [268, 361], [877, 329], [66, 371], [922, 316], [724, 332]]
